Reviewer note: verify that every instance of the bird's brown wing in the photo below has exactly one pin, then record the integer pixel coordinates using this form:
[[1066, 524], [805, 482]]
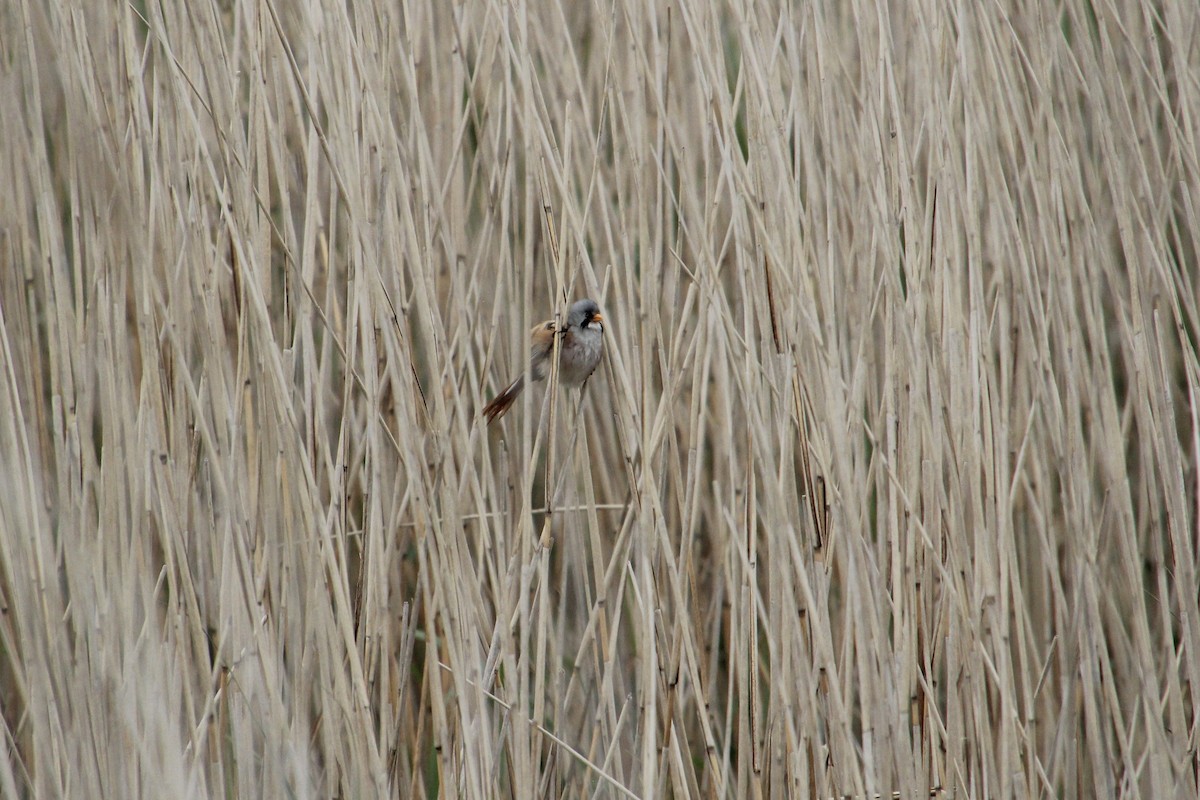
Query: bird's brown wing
[[541, 343]]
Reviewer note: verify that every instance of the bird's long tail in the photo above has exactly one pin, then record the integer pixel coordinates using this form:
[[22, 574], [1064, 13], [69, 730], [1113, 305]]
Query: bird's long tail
[[500, 404]]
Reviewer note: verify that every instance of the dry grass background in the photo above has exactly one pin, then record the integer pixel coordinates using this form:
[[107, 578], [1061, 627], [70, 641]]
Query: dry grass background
[[886, 488]]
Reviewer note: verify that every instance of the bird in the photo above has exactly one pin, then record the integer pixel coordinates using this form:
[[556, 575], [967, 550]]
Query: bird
[[580, 347]]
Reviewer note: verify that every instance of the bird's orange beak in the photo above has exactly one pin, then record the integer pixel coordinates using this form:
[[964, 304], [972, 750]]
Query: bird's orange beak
[[597, 317]]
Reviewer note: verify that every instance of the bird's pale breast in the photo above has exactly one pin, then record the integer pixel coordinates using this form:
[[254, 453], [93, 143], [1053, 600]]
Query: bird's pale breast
[[581, 354]]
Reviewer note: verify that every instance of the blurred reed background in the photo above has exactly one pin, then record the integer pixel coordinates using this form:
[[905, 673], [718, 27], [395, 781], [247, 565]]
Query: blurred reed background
[[887, 486]]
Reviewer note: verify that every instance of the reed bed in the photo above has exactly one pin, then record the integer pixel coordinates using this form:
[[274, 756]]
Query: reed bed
[[886, 486]]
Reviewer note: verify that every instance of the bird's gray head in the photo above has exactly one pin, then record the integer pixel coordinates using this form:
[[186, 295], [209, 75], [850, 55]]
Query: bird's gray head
[[586, 314]]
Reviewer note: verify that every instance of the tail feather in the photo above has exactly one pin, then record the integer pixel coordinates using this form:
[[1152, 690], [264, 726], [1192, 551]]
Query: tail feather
[[500, 404]]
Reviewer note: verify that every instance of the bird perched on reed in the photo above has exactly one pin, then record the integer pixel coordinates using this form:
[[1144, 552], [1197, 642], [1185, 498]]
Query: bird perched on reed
[[580, 347]]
